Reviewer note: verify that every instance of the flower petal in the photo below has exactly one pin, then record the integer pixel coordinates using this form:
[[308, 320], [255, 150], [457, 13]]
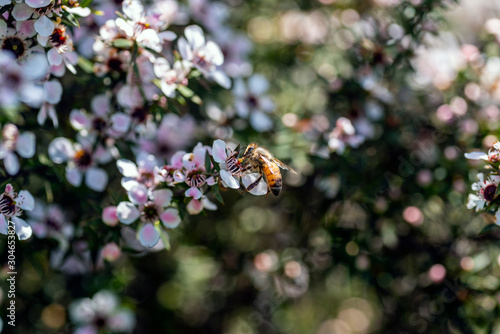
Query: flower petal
[[127, 168], [11, 163], [96, 179], [193, 192], [261, 121], [258, 84], [3, 225], [74, 176], [170, 218], [148, 235], [221, 78], [127, 213], [28, 201], [229, 179], [138, 194], [109, 216], [79, 119], [44, 26], [162, 197], [60, 150], [25, 145], [54, 57], [22, 12], [476, 156], [207, 204], [23, 230], [120, 122], [195, 37], [260, 189], [53, 91], [219, 151], [37, 3], [194, 207]]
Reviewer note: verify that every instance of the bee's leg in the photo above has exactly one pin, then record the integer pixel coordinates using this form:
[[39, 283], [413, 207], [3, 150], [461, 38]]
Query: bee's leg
[[254, 184], [242, 172]]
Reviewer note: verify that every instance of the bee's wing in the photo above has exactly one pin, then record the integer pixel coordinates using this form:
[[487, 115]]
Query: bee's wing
[[283, 165]]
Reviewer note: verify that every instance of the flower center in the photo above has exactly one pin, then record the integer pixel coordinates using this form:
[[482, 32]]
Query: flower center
[[195, 179], [83, 158], [100, 322], [200, 61], [7, 206], [150, 212], [146, 177], [58, 37], [489, 192], [15, 45], [252, 101], [53, 224], [99, 124], [115, 64], [140, 114]]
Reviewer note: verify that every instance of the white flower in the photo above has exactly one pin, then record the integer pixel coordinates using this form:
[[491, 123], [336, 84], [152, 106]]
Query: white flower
[[49, 222], [485, 191], [150, 206], [14, 141], [171, 78], [205, 56], [195, 206], [11, 207], [101, 313], [145, 172], [251, 102], [219, 153], [81, 161]]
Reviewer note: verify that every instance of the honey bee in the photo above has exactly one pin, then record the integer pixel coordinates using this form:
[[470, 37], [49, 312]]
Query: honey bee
[[261, 160]]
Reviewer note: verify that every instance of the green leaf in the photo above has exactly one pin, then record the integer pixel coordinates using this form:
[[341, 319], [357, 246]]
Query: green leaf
[[208, 164], [217, 194], [122, 43], [84, 3], [185, 91], [86, 64], [216, 165], [489, 228], [164, 237], [71, 18], [497, 192], [196, 99]]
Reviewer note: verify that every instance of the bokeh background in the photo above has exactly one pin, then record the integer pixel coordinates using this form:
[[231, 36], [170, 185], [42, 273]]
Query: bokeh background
[[371, 236]]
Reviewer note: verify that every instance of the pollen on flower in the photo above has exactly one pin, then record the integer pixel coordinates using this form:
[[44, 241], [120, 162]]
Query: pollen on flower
[[82, 158], [60, 39], [195, 179]]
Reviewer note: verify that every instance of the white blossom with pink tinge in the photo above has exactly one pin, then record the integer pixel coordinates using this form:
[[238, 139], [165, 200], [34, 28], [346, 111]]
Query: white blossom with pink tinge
[[13, 141], [205, 56], [11, 207], [150, 206], [252, 103], [81, 162], [104, 307], [49, 221]]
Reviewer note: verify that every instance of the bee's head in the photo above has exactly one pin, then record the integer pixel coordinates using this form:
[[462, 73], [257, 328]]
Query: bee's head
[[250, 148]]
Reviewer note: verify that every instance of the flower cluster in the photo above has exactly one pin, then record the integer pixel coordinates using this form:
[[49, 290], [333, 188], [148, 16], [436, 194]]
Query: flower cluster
[[33, 34], [157, 193], [486, 191]]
